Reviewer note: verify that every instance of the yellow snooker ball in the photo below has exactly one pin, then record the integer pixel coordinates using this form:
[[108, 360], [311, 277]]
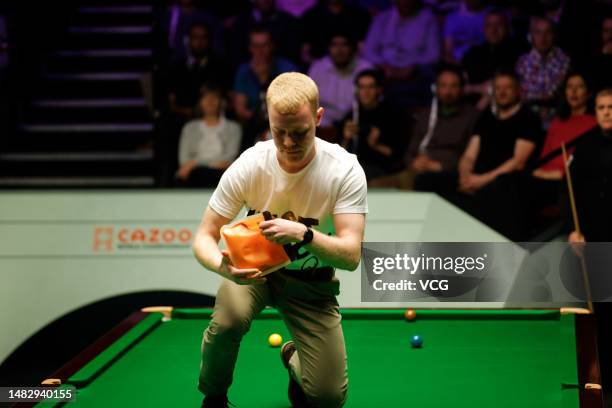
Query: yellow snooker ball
[[275, 340]]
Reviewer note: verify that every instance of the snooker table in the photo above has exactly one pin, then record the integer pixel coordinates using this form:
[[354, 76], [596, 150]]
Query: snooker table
[[469, 358]]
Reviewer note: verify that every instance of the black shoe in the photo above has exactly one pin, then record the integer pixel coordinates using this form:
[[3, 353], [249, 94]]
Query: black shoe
[[296, 394], [216, 401]]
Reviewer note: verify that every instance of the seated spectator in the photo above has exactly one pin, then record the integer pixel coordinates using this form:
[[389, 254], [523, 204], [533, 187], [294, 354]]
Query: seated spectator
[[543, 69], [601, 65], [264, 14], [199, 67], [573, 20], [321, 21], [572, 121], [547, 187], [335, 76], [252, 80], [404, 42], [463, 29], [440, 135], [499, 52], [374, 130], [208, 145], [504, 139], [177, 22]]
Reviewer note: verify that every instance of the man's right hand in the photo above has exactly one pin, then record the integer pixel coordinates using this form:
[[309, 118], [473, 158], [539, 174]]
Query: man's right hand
[[350, 130], [240, 276]]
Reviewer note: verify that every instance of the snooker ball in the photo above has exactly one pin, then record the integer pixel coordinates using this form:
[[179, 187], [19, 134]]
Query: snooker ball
[[416, 341], [410, 315], [275, 340]]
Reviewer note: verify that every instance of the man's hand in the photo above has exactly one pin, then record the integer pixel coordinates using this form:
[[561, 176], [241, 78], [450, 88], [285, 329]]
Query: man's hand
[[423, 163], [281, 231], [577, 242], [350, 130], [473, 182], [373, 136], [185, 170], [576, 238], [240, 276]]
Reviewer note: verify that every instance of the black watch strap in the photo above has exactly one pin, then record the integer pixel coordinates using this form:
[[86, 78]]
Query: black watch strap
[[308, 235]]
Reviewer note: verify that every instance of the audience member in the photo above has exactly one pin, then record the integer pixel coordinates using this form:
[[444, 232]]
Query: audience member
[[281, 25], [574, 22], [543, 69], [463, 29], [208, 145], [199, 67], [321, 21], [252, 80], [601, 64], [504, 139], [572, 120], [440, 135], [374, 130], [179, 19], [404, 42], [335, 76], [499, 52]]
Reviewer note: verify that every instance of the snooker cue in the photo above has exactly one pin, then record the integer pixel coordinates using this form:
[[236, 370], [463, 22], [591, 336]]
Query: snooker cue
[[570, 188]]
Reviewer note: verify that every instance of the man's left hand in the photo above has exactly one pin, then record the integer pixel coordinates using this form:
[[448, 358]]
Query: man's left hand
[[281, 231], [475, 182]]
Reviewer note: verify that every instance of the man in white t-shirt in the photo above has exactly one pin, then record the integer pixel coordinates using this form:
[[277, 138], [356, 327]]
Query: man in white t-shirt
[[318, 192]]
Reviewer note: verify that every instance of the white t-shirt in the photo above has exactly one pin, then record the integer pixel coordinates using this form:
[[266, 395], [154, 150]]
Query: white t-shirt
[[332, 183]]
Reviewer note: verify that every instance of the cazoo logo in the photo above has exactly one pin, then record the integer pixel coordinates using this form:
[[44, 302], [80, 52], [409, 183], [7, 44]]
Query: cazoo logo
[[107, 239]]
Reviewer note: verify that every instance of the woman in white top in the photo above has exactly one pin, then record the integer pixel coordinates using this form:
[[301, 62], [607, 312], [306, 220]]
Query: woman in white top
[[208, 145]]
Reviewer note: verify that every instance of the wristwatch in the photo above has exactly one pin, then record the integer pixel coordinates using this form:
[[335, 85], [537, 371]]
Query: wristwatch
[[307, 237]]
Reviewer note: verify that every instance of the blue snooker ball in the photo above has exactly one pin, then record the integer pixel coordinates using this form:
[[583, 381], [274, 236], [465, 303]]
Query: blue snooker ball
[[416, 341]]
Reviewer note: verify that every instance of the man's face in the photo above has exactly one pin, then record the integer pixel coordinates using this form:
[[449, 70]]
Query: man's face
[[261, 46], [448, 88], [506, 92], [340, 51], [495, 29], [606, 31], [603, 109], [542, 36], [198, 41], [294, 135], [368, 91]]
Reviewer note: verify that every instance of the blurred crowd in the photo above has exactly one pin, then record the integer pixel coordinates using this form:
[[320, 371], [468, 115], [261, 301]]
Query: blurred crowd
[[470, 99]]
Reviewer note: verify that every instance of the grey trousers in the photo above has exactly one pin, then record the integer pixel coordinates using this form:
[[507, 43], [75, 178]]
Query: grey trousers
[[310, 312]]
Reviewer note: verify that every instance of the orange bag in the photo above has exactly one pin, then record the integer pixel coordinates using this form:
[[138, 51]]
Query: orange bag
[[248, 248]]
